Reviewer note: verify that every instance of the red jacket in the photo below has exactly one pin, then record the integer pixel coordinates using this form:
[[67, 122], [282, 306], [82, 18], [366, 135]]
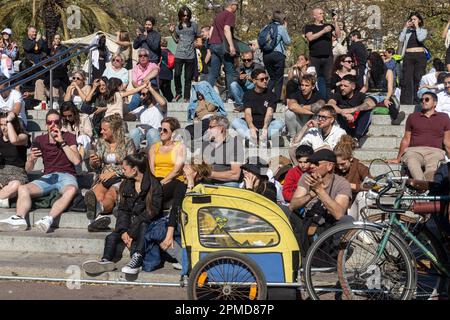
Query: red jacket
[[291, 182]]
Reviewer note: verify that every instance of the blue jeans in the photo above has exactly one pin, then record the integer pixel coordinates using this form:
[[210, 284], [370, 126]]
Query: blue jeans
[[241, 126], [55, 181], [135, 102], [237, 92], [218, 57], [152, 136]]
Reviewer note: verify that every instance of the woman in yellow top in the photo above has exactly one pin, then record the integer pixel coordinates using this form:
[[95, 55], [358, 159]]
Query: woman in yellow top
[[166, 159]]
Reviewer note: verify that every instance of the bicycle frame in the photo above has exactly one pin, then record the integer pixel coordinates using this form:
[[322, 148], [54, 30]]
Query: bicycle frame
[[394, 221]]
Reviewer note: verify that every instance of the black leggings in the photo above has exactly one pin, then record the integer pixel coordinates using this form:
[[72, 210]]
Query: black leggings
[[114, 239], [189, 65], [175, 190], [414, 67]]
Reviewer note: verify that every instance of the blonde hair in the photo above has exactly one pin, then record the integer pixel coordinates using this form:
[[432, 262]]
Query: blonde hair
[[120, 55], [116, 123], [345, 147]]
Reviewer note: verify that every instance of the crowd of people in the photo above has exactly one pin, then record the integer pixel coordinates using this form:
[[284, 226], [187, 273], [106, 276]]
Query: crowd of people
[[329, 102]]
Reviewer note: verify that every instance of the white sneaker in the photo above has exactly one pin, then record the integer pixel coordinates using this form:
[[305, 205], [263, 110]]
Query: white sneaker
[[13, 223], [44, 224], [4, 203], [177, 266]]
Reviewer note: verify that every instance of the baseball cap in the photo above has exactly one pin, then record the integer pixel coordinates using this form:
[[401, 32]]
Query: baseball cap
[[322, 155], [7, 30]]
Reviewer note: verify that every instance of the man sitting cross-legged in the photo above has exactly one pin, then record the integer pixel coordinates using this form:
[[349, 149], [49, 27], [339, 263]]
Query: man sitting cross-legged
[[60, 156]]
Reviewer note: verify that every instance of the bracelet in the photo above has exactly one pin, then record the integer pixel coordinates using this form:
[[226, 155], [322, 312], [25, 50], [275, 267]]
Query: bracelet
[[63, 144]]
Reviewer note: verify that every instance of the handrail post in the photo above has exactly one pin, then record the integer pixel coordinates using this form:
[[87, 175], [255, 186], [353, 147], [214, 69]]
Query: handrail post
[[51, 88], [90, 67]]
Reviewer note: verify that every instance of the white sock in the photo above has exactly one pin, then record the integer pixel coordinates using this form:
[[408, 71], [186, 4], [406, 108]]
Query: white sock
[[49, 218]]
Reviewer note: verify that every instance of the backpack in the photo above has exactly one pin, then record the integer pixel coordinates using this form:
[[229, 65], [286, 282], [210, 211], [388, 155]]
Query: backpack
[[267, 37], [170, 60]]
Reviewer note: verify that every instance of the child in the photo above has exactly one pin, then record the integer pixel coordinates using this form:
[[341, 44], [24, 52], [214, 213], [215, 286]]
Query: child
[[293, 176]]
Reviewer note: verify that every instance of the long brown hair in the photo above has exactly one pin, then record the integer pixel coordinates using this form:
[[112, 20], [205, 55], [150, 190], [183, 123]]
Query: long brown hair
[[345, 147]]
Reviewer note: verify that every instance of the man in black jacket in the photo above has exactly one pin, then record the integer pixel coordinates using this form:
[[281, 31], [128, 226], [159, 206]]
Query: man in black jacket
[[34, 45], [358, 51], [149, 39], [136, 210]]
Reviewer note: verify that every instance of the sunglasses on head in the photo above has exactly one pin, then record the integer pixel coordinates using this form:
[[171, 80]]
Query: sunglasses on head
[[263, 79], [52, 122]]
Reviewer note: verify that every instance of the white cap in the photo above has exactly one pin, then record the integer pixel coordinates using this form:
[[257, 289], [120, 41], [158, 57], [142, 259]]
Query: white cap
[[7, 30]]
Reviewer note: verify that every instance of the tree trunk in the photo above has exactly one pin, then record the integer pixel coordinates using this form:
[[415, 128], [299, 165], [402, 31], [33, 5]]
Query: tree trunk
[[52, 19]]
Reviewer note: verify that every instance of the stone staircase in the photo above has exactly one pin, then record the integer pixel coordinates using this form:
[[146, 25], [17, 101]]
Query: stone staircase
[[34, 254]]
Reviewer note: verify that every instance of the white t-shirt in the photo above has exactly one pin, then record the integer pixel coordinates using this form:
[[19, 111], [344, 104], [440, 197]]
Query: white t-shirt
[[443, 104], [152, 116], [11, 100], [315, 140]]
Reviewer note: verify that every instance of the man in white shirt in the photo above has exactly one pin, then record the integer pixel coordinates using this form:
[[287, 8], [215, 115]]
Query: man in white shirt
[[320, 132], [443, 104], [150, 118], [11, 100]]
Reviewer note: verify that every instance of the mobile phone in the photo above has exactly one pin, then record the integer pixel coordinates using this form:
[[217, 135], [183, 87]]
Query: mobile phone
[[36, 145], [333, 13]]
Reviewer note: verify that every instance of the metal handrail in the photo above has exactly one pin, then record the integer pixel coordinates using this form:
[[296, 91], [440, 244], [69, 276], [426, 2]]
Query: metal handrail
[[40, 64], [45, 70]]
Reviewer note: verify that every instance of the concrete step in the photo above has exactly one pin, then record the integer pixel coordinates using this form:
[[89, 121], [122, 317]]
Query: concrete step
[[68, 220], [366, 154], [68, 266], [377, 130], [66, 241], [381, 142]]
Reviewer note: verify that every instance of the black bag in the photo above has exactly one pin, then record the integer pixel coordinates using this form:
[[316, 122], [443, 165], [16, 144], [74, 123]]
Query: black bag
[[111, 181]]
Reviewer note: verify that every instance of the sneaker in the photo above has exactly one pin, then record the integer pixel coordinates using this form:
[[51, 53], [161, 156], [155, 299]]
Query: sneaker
[[13, 223], [135, 264], [4, 203], [44, 224], [101, 223], [90, 200], [177, 266], [401, 116], [97, 267]]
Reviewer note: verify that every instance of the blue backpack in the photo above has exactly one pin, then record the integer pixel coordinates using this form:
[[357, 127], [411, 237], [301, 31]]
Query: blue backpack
[[267, 37]]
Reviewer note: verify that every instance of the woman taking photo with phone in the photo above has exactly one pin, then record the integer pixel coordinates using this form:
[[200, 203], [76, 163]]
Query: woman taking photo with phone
[[14, 142], [414, 58]]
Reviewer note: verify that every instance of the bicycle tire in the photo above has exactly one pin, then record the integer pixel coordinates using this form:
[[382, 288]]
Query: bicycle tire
[[427, 288], [335, 268], [210, 278]]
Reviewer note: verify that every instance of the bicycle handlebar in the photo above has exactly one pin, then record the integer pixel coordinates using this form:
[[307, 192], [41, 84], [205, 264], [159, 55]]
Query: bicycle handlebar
[[382, 193]]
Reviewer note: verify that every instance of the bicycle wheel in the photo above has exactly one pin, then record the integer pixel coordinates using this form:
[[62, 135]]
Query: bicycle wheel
[[430, 281], [342, 264], [226, 275]]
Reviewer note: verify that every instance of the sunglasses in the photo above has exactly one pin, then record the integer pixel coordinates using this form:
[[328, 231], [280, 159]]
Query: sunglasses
[[247, 60], [52, 122], [77, 78], [117, 60], [427, 99], [320, 117], [143, 55], [263, 79], [349, 61], [164, 130]]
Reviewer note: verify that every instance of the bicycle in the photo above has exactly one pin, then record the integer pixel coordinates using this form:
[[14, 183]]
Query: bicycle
[[367, 260]]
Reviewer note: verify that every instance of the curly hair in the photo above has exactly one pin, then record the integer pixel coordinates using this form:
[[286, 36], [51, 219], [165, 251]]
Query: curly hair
[[116, 123]]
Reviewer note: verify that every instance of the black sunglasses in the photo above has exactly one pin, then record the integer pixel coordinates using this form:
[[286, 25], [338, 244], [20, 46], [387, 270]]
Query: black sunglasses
[[165, 130], [247, 60], [427, 99]]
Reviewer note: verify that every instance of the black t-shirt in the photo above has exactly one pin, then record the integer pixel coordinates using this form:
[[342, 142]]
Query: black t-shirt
[[321, 47], [358, 52], [346, 103], [13, 155], [297, 95], [258, 103]]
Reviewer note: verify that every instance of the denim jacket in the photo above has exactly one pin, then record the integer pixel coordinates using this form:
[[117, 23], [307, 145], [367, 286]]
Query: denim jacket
[[283, 39], [210, 95], [405, 35]]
